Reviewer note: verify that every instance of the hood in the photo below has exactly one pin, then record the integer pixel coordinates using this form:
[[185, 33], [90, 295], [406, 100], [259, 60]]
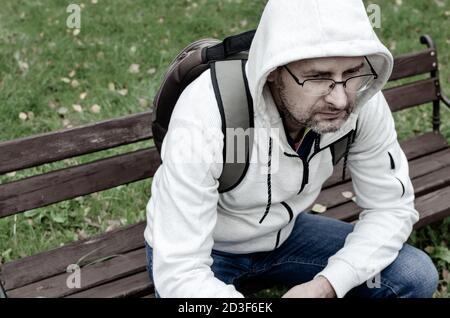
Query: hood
[[292, 30]]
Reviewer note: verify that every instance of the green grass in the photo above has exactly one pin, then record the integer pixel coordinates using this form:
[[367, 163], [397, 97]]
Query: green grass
[[37, 51]]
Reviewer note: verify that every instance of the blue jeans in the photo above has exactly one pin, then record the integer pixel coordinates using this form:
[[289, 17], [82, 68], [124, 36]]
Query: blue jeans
[[305, 253]]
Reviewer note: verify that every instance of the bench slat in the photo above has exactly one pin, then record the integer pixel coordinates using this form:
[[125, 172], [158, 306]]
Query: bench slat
[[432, 207], [91, 276], [30, 269], [333, 197], [131, 286], [413, 148], [416, 63], [60, 185], [50, 147], [409, 95]]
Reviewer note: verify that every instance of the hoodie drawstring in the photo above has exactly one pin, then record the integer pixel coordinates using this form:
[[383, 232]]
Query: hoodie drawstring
[[269, 181], [347, 150]]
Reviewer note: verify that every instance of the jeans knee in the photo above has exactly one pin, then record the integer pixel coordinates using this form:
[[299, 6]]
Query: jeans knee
[[421, 276]]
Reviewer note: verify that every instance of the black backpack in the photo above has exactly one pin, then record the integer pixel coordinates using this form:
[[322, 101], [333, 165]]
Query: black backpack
[[226, 59]]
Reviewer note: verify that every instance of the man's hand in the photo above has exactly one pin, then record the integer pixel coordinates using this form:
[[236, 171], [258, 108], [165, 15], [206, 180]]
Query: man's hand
[[319, 287]]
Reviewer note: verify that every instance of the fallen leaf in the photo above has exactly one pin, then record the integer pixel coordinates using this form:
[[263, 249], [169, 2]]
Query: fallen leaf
[[76, 32], [134, 68], [11, 174], [30, 115], [81, 235], [440, 3], [347, 194], [319, 208], [83, 95], [23, 66], [66, 123], [52, 104], [77, 108], [151, 71], [111, 87], [72, 73], [144, 102], [75, 83], [65, 80], [95, 108], [23, 116], [123, 92], [62, 110], [113, 224]]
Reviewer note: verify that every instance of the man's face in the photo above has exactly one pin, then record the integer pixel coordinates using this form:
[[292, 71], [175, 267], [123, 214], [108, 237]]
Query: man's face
[[323, 114]]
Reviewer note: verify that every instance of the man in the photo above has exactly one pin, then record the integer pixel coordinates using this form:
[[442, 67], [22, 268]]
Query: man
[[315, 72]]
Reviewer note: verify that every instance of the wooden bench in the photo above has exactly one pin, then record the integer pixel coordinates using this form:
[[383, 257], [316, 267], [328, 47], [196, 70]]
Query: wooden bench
[[122, 269]]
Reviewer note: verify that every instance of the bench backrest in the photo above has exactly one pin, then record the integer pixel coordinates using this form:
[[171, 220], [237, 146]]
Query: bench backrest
[[60, 185]]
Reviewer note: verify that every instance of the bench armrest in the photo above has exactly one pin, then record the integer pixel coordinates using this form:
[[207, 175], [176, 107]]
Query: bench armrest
[[445, 100]]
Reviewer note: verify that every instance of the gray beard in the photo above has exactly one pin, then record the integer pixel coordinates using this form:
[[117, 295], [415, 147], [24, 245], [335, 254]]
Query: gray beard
[[319, 127]]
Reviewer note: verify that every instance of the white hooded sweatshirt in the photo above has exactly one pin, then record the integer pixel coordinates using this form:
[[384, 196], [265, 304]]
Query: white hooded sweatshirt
[[186, 215]]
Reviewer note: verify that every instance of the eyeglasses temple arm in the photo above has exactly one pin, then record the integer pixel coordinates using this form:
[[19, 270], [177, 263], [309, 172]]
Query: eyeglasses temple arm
[[371, 67]]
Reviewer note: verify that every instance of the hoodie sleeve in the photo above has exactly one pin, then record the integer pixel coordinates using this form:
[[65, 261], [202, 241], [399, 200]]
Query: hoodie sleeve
[[184, 203], [384, 191]]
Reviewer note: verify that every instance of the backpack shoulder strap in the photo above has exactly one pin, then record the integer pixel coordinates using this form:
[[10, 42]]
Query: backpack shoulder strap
[[236, 109]]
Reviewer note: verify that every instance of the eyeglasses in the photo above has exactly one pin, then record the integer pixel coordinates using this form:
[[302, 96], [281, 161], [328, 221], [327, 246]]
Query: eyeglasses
[[324, 86]]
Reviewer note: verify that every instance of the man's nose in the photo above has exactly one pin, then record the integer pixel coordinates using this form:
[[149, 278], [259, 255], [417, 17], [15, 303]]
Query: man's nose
[[337, 97]]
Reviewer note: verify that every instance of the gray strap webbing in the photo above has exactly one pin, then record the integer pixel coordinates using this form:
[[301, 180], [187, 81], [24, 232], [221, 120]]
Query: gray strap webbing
[[238, 115]]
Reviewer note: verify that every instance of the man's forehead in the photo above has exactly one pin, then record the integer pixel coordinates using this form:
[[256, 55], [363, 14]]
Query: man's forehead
[[328, 63]]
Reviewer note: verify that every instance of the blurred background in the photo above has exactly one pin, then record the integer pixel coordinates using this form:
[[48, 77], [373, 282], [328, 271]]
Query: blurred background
[[53, 77]]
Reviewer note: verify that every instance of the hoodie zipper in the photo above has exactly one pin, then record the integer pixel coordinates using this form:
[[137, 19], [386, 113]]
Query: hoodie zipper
[[305, 162]]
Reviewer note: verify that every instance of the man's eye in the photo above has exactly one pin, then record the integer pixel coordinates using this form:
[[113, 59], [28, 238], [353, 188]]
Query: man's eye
[[353, 72]]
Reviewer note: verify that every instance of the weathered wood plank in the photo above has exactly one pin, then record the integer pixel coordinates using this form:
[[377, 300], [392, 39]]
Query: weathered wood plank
[[409, 95], [432, 207], [60, 185], [413, 148], [416, 63], [120, 266], [424, 177], [31, 269], [54, 146], [132, 286]]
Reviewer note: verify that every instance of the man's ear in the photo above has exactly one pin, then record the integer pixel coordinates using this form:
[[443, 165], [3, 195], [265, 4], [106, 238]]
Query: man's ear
[[272, 76]]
